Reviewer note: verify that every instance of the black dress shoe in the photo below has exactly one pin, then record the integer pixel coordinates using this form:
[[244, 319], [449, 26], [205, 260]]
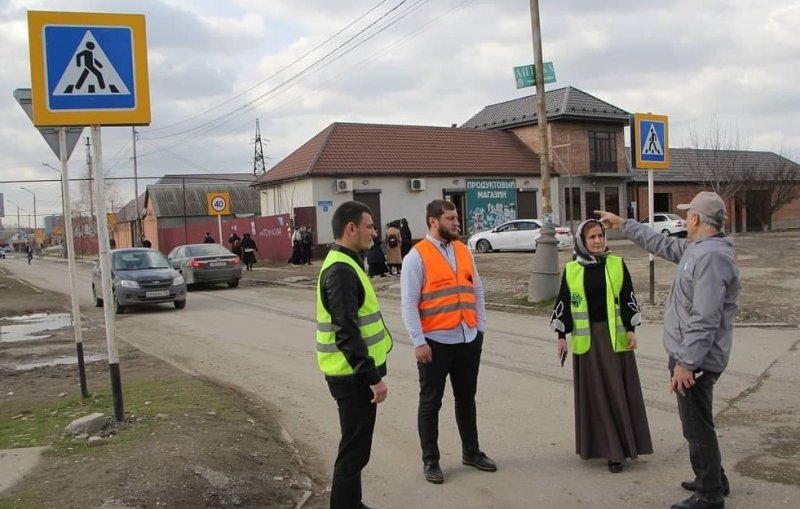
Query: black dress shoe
[[697, 503], [614, 467], [433, 473], [480, 461], [691, 486]]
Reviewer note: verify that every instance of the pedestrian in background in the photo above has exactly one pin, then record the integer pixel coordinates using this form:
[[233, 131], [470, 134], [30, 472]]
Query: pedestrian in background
[[208, 239], [236, 244], [598, 307], [146, 243], [405, 234], [249, 249], [352, 346], [444, 312], [297, 247], [307, 243], [376, 260], [392, 241], [698, 331]]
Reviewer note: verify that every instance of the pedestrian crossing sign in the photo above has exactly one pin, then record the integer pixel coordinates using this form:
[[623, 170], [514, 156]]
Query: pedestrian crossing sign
[[650, 141], [88, 69]]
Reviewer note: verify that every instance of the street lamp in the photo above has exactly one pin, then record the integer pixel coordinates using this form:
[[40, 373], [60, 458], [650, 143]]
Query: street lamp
[[34, 206], [19, 225]]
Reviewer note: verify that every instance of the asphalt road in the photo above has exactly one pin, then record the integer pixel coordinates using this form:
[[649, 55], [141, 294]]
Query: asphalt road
[[261, 340]]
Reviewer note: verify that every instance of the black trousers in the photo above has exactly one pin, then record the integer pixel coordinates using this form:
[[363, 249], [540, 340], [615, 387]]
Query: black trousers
[[357, 422], [461, 362], [697, 418]]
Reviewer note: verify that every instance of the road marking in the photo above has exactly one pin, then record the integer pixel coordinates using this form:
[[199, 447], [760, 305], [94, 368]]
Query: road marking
[[30, 286]]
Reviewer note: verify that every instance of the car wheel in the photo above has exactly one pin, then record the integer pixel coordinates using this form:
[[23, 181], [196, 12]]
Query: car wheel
[[483, 246], [98, 302], [118, 308], [233, 284], [665, 232], [180, 304]]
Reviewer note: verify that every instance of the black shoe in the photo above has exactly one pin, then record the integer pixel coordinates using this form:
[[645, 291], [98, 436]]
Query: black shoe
[[433, 473], [614, 467], [691, 486], [696, 503], [480, 461]]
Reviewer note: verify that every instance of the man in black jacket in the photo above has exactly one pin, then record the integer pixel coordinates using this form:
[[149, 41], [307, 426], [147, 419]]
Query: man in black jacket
[[352, 345]]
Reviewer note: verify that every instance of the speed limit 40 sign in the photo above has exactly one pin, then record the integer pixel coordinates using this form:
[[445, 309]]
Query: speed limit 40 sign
[[219, 204]]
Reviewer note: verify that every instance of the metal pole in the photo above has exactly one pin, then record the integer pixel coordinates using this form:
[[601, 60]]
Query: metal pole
[[73, 278], [185, 233], [651, 209], [219, 227], [105, 274], [137, 225], [544, 278], [89, 165]]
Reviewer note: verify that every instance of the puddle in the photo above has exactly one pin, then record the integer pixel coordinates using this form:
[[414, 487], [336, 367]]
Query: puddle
[[30, 327], [56, 361]]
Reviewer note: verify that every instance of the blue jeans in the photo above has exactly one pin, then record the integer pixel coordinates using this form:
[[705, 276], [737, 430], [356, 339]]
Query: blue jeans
[[697, 418]]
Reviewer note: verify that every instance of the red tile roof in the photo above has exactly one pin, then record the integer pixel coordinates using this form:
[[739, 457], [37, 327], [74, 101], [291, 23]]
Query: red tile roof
[[377, 149]]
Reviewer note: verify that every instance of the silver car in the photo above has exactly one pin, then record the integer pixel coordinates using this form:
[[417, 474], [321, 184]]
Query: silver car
[[140, 276], [206, 263]]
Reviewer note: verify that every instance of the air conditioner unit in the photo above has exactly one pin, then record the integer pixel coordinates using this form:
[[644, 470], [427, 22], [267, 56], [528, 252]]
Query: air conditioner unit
[[344, 185], [416, 184]]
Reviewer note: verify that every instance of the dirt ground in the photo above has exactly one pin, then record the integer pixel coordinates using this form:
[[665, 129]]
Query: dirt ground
[[185, 442], [770, 281]]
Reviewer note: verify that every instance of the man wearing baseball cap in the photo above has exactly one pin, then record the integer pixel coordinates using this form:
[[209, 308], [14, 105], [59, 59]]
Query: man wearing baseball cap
[[698, 331]]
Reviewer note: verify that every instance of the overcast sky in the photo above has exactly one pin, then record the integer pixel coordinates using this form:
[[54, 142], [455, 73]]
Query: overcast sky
[[218, 65]]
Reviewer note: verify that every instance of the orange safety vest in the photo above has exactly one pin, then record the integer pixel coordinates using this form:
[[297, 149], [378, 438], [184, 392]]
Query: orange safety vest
[[448, 297]]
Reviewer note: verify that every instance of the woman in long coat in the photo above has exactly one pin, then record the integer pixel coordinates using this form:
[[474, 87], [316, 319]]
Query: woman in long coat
[[610, 417], [393, 242], [249, 249]]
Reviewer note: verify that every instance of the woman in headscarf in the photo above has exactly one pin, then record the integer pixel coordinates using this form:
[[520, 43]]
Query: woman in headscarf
[[597, 306]]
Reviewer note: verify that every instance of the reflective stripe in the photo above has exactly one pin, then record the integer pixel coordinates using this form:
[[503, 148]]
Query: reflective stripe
[[327, 347], [362, 321], [580, 315], [447, 291], [446, 309], [580, 332], [369, 341], [621, 330], [368, 319]]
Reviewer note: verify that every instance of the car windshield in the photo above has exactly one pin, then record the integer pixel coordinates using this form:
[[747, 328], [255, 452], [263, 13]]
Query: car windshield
[[139, 260], [673, 217], [207, 250]]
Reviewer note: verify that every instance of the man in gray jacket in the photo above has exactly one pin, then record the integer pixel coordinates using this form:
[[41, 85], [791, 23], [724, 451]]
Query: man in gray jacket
[[698, 330]]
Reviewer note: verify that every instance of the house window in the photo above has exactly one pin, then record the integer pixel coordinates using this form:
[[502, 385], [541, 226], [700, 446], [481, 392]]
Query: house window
[[572, 203], [612, 199], [602, 152]]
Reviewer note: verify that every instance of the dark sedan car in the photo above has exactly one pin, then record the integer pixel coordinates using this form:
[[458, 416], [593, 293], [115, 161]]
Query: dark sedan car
[[140, 276], [206, 263]]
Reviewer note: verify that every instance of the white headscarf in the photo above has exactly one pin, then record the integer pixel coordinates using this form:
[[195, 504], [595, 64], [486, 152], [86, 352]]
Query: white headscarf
[[581, 253]]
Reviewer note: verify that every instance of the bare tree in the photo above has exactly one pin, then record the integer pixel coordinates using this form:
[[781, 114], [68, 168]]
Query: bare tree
[[718, 161], [775, 184]]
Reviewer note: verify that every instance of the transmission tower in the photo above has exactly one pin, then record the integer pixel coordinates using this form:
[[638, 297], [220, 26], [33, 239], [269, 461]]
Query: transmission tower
[[258, 157]]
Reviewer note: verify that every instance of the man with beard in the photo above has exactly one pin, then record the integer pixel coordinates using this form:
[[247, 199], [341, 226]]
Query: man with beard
[[444, 312]]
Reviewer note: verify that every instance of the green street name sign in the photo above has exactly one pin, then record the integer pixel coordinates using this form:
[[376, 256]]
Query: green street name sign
[[526, 76]]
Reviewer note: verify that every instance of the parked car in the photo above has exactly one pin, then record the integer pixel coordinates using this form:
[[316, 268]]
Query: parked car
[[517, 235], [2, 253], [140, 276], [206, 263], [668, 224]]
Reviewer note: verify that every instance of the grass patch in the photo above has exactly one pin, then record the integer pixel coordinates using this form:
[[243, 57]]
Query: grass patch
[[22, 501], [23, 425]]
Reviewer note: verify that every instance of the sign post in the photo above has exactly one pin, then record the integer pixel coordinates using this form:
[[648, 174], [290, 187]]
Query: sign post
[[91, 69], [219, 204], [650, 143]]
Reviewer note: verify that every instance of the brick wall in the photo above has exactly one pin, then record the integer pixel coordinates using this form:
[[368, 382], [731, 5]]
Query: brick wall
[[576, 134]]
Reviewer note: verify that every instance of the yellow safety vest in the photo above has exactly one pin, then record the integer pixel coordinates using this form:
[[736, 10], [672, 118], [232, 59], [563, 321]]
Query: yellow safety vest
[[331, 360], [581, 333]]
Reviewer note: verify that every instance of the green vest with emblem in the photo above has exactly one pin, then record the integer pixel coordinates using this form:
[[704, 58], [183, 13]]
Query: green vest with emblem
[[581, 335], [331, 360]]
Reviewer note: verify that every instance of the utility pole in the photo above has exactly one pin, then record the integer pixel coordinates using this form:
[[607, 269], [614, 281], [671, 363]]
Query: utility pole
[[258, 158], [91, 179], [543, 283], [137, 225]]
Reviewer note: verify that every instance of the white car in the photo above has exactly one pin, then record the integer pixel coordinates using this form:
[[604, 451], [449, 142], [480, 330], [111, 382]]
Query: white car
[[668, 224], [518, 235]]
